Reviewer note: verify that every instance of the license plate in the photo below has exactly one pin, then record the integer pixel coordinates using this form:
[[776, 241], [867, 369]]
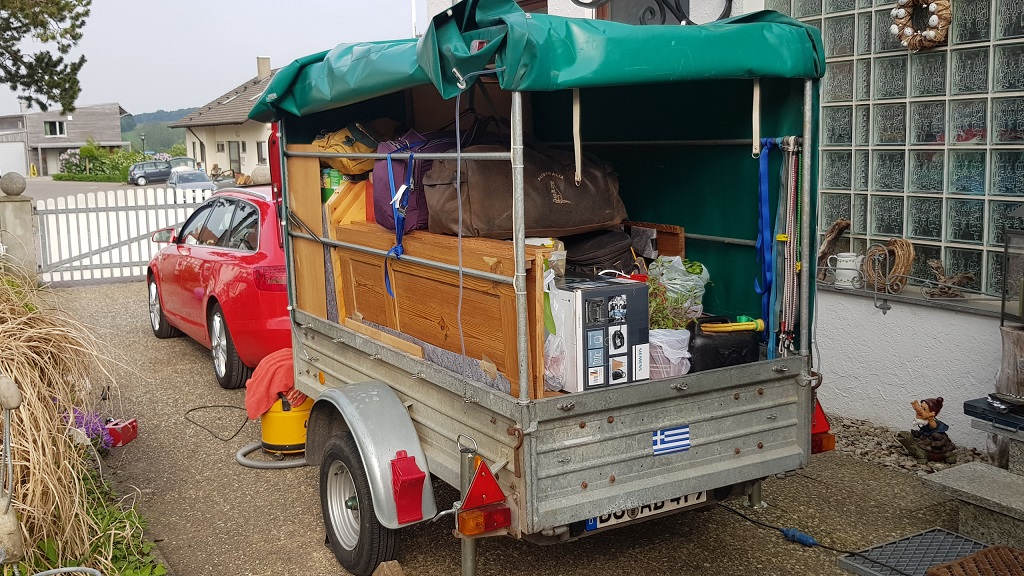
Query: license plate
[[646, 510]]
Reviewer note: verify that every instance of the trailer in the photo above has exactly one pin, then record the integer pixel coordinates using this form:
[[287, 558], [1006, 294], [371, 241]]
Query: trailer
[[680, 112]]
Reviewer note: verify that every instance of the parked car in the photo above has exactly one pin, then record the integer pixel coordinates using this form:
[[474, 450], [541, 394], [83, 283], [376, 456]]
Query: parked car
[[182, 163], [142, 173], [225, 179], [221, 281], [189, 180]]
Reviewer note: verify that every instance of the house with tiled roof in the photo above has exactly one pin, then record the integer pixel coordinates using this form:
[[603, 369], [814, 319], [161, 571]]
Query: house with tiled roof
[[220, 134]]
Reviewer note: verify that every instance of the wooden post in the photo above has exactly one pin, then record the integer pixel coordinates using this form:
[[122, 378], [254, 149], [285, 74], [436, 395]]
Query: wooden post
[[1010, 380]]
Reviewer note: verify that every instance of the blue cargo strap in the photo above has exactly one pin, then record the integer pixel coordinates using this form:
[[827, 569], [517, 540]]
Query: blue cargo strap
[[398, 205], [763, 284]]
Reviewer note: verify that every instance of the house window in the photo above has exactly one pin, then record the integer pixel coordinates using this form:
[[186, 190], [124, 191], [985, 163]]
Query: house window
[[925, 146], [195, 145], [55, 128], [220, 147], [261, 152], [243, 146]]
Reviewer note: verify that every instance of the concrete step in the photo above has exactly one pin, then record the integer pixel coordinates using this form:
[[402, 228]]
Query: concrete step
[[991, 501]]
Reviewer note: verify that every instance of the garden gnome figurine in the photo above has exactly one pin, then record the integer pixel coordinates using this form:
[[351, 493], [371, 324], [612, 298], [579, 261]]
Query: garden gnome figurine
[[928, 442]]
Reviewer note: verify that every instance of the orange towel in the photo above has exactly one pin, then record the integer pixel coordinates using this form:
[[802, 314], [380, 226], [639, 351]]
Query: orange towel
[[273, 376]]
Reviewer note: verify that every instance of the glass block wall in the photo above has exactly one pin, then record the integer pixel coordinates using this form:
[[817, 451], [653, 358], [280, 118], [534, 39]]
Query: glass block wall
[[929, 145]]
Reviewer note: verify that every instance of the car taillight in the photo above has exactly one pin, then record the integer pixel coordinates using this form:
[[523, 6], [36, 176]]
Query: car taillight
[[270, 278]]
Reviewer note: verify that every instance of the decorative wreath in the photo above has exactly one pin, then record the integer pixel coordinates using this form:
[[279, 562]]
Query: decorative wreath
[[939, 16]]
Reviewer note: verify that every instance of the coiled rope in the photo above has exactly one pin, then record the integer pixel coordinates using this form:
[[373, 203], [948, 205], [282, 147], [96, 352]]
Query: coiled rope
[[886, 267]]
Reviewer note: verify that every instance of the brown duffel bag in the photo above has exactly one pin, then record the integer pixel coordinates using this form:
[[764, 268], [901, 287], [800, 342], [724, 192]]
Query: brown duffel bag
[[554, 204]]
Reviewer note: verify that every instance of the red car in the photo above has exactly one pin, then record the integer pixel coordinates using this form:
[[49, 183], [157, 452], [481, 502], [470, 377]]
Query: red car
[[221, 281]]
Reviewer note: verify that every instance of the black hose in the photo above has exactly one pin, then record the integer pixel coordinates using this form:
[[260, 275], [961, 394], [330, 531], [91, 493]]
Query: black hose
[[243, 452]]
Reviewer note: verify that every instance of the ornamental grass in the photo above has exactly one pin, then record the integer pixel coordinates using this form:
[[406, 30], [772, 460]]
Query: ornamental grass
[[53, 359]]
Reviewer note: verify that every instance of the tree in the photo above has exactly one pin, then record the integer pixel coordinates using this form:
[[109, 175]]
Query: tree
[[47, 76]]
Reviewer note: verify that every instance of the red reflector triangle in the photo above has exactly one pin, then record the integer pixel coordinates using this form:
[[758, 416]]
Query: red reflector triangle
[[819, 422], [483, 490]]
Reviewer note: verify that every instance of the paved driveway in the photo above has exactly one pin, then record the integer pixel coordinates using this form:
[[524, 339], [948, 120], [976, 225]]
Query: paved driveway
[[210, 516], [44, 187]]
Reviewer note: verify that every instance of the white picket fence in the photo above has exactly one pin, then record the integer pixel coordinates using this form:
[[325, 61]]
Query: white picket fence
[[106, 235]]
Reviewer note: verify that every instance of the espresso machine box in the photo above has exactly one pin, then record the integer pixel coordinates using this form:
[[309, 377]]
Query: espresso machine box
[[606, 333]]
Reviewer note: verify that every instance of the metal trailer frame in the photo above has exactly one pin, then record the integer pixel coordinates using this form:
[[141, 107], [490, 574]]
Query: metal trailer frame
[[548, 444]]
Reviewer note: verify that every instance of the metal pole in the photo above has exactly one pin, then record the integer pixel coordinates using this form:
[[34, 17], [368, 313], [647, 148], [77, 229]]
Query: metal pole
[[721, 239], [755, 499], [805, 221], [467, 458], [519, 246]]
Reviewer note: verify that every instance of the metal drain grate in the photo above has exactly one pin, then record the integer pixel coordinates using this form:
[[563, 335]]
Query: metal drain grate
[[911, 555]]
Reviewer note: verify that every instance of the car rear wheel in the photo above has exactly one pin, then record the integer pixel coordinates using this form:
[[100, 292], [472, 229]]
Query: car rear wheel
[[157, 320], [141, 181], [358, 540], [230, 371]]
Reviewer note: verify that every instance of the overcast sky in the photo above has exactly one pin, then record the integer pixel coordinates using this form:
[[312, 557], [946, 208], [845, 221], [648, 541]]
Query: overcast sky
[[148, 55]]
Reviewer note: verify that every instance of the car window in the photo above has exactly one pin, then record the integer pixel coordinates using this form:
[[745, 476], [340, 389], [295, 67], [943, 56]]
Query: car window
[[191, 177], [190, 232], [218, 223], [245, 227]]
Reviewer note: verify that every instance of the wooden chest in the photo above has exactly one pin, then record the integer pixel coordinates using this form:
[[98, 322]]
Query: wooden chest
[[426, 300]]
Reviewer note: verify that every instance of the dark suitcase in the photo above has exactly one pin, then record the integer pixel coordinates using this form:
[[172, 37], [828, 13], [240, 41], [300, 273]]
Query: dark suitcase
[[717, 350]]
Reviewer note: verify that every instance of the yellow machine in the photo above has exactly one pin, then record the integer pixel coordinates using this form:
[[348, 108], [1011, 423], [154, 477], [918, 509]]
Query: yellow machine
[[284, 427]]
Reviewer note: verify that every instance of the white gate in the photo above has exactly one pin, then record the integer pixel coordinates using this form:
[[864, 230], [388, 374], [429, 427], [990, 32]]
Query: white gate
[[106, 235]]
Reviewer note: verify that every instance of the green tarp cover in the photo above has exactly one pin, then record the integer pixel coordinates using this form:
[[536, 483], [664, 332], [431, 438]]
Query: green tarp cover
[[543, 52], [347, 74]]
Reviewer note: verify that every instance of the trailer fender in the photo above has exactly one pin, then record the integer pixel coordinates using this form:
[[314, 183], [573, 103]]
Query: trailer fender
[[381, 426]]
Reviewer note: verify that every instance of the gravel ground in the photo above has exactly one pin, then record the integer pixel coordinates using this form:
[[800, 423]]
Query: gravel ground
[[870, 443]]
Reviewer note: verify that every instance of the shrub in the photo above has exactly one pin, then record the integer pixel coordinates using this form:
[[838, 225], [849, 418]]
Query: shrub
[[71, 162], [68, 515], [92, 177]]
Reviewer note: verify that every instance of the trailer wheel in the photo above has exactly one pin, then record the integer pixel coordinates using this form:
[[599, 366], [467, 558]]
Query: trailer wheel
[[358, 540]]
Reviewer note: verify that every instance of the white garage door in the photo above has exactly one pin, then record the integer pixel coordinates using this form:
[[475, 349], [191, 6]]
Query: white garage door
[[12, 158]]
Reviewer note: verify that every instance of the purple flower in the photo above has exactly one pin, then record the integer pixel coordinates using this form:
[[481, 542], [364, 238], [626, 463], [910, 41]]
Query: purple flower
[[93, 425]]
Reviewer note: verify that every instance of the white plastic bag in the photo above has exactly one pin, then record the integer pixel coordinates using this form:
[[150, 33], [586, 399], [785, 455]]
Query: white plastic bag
[[670, 355], [557, 364]]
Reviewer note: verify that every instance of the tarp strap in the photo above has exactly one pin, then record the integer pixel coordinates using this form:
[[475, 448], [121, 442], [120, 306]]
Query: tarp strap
[[399, 203], [756, 118], [763, 284], [577, 142]]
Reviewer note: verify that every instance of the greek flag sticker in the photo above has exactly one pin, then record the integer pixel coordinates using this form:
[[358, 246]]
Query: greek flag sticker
[[671, 440]]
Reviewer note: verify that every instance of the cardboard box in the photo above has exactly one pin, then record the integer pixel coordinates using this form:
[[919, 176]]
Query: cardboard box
[[606, 333]]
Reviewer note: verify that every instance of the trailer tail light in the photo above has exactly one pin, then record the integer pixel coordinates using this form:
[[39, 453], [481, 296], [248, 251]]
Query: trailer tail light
[[274, 155], [483, 507], [822, 440], [270, 278], [407, 487], [486, 519]]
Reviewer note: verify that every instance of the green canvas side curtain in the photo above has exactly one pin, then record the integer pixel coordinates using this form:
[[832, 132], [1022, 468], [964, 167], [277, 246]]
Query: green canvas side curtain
[[544, 53]]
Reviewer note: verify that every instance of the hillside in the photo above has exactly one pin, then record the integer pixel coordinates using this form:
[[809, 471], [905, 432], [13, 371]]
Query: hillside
[[162, 116]]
